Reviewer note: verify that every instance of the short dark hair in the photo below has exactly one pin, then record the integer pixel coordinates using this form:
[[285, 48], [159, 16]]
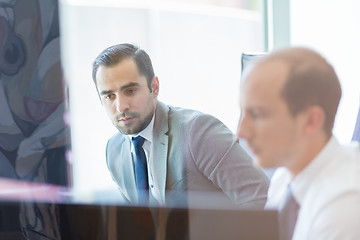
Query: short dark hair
[[311, 81], [116, 53]]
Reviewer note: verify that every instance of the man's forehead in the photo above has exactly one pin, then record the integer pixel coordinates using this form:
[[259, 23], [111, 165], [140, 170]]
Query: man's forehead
[[264, 82], [270, 73], [124, 69], [123, 64]]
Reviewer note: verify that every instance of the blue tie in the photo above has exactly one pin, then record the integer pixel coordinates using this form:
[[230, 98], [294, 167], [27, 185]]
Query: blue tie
[[288, 216], [141, 173]]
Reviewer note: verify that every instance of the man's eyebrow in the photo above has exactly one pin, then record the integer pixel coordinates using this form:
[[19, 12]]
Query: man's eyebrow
[[104, 92], [132, 84]]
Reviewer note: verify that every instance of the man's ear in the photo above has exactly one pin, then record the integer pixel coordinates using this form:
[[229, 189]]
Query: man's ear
[[314, 120], [155, 86]]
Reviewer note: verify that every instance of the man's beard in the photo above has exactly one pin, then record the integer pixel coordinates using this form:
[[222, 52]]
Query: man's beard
[[136, 128]]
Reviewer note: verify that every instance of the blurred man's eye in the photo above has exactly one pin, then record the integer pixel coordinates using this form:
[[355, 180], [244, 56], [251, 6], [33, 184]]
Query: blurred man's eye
[[130, 91], [256, 114]]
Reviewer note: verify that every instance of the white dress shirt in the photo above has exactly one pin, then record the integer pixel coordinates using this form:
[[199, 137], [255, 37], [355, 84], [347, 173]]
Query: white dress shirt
[[328, 192], [147, 133]]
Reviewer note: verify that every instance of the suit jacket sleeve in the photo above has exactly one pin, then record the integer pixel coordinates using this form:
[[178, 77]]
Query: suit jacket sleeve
[[219, 156]]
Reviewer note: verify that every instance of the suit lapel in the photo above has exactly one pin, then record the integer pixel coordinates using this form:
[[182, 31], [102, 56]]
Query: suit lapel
[[160, 145], [128, 173]]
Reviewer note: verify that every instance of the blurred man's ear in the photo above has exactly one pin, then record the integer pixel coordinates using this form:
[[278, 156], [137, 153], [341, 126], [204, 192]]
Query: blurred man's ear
[[314, 120], [155, 86]]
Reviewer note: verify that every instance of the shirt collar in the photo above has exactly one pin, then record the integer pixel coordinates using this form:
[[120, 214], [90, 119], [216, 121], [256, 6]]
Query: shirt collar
[[299, 185]]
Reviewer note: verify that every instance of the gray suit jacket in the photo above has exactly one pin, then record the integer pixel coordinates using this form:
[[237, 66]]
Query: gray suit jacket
[[192, 152]]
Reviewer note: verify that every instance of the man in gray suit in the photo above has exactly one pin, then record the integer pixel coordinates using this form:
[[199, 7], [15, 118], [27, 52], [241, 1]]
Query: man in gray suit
[[184, 150]]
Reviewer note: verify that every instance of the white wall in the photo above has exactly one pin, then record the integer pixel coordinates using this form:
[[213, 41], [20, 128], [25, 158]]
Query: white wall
[[332, 27], [196, 52]]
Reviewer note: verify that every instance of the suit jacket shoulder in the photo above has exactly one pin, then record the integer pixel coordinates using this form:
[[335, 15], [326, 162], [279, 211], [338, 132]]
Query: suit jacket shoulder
[[203, 154]]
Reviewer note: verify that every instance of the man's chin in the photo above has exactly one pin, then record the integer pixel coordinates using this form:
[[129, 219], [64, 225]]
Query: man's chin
[[129, 130], [263, 163], [126, 131], [133, 127]]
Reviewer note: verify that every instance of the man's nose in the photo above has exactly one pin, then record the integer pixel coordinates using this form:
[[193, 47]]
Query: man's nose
[[122, 104], [243, 130]]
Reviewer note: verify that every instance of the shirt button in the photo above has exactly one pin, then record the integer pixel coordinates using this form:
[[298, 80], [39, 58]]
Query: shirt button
[[152, 186]]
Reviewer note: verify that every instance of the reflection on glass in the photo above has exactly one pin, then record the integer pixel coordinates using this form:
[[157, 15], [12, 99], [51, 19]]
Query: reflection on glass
[[33, 133], [244, 4], [34, 137]]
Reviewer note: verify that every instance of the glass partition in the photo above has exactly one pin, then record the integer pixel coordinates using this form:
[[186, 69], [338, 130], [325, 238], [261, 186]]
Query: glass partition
[[195, 48], [34, 136]]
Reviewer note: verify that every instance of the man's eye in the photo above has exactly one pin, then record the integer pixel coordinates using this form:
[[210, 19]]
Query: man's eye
[[109, 96]]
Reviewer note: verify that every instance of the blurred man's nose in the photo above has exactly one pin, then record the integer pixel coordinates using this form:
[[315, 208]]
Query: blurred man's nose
[[243, 130]]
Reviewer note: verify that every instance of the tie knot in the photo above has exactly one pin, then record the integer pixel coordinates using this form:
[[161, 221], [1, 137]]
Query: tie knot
[[138, 141]]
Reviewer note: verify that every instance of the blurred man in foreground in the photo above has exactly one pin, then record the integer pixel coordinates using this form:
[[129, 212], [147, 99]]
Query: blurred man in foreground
[[289, 101]]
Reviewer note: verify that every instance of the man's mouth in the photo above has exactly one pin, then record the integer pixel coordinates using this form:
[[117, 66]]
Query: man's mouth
[[126, 120]]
